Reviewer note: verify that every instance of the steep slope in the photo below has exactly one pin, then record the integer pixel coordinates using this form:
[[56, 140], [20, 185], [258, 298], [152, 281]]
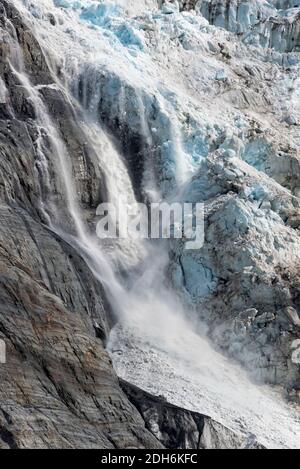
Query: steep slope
[[177, 428], [198, 105], [58, 389]]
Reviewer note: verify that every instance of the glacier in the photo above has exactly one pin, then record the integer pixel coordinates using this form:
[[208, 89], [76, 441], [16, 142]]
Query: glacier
[[190, 101]]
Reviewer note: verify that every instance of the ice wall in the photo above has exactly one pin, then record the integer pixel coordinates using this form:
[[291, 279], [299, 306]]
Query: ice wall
[[236, 15], [271, 24]]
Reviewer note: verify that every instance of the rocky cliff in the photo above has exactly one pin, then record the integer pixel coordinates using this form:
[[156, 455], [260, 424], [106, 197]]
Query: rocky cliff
[[58, 388], [178, 428]]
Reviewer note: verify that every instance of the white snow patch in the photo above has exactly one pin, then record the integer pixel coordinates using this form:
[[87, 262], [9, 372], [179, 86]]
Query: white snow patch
[[196, 377]]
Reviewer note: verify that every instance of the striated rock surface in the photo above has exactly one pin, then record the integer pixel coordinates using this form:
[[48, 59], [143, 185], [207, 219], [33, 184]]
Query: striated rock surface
[[57, 388], [178, 428]]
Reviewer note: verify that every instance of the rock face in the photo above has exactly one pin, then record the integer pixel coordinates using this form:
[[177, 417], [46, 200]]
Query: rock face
[[58, 388], [178, 428]]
